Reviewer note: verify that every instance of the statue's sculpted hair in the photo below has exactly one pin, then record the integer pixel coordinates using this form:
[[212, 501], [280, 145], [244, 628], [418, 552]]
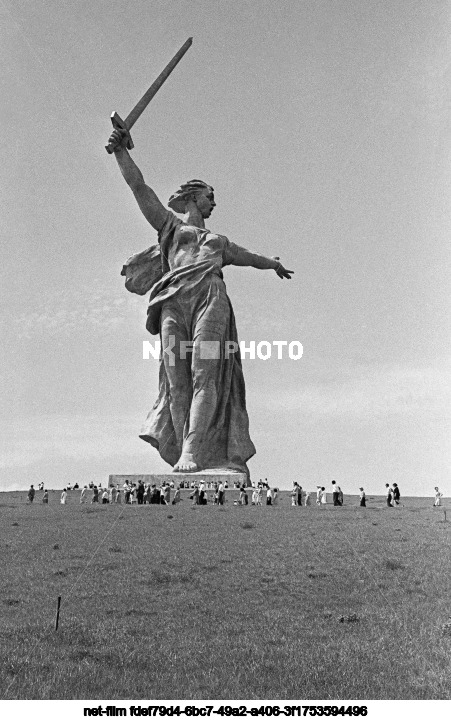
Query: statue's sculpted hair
[[178, 199]]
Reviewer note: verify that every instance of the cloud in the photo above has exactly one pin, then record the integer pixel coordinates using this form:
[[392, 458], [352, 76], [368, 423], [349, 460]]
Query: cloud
[[371, 393], [39, 438], [69, 310]]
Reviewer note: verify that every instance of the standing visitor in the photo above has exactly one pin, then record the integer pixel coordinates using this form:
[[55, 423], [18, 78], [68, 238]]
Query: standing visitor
[[221, 494], [307, 499], [140, 493], [337, 496], [300, 495], [126, 492], [294, 495], [176, 498], [105, 498], [45, 497], [132, 493], [396, 495], [113, 493], [254, 499], [167, 494], [95, 495], [389, 495], [202, 499], [215, 492], [318, 495], [268, 496], [31, 494], [195, 496], [63, 496], [438, 496], [362, 498], [334, 494], [83, 494], [323, 496]]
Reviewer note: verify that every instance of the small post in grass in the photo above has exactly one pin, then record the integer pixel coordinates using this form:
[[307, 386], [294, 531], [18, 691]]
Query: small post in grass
[[58, 613]]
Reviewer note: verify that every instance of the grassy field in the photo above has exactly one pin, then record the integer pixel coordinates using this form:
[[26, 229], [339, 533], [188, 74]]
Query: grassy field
[[235, 602]]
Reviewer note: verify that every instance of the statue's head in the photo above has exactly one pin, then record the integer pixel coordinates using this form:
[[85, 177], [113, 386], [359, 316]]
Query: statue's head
[[197, 191]]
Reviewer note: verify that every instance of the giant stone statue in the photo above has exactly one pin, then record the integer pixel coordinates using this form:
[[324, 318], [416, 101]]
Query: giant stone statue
[[199, 420]]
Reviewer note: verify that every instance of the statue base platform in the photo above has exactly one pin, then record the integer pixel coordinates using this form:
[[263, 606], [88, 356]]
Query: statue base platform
[[184, 480]]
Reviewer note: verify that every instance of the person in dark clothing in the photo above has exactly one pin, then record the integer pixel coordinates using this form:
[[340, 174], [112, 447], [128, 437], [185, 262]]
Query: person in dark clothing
[[299, 498], [140, 493], [336, 494], [362, 498], [396, 495]]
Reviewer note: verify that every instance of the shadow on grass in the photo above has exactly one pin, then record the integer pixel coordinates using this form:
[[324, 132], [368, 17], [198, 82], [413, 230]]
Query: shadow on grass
[[394, 565]]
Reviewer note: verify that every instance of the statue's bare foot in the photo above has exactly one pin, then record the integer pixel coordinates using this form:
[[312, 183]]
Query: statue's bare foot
[[186, 464]]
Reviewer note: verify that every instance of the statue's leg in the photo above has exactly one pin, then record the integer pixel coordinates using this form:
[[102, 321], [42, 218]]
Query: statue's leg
[[210, 323], [177, 364]]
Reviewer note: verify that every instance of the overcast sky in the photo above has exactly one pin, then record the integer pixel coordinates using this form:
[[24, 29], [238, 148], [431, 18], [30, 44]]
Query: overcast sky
[[323, 126]]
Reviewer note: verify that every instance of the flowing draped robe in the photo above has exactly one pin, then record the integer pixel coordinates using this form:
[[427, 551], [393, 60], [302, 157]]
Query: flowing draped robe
[[187, 265]]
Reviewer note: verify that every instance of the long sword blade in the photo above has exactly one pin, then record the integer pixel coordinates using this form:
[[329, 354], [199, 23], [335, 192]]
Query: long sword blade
[[142, 104]]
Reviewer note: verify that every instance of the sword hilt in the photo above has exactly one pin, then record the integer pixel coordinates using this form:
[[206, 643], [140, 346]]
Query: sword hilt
[[120, 124]]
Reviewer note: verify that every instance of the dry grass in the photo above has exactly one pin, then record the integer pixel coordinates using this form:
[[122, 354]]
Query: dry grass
[[242, 603]]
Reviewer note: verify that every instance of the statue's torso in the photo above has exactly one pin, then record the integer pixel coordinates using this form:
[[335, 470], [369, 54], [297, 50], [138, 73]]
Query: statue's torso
[[195, 245]]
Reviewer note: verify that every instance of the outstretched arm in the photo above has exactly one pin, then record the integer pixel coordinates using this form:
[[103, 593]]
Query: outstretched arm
[[255, 260], [151, 207]]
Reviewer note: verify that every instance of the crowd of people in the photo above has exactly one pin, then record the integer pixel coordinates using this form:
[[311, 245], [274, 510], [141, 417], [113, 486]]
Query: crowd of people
[[213, 492]]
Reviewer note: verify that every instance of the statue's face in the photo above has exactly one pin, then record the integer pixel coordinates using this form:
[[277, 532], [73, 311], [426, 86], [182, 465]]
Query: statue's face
[[205, 201]]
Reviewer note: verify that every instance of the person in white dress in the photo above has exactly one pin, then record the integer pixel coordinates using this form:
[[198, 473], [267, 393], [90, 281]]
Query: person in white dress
[[318, 495], [438, 497]]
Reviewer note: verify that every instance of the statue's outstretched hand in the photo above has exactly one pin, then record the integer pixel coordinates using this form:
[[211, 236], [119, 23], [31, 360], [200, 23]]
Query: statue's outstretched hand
[[280, 270], [118, 139]]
